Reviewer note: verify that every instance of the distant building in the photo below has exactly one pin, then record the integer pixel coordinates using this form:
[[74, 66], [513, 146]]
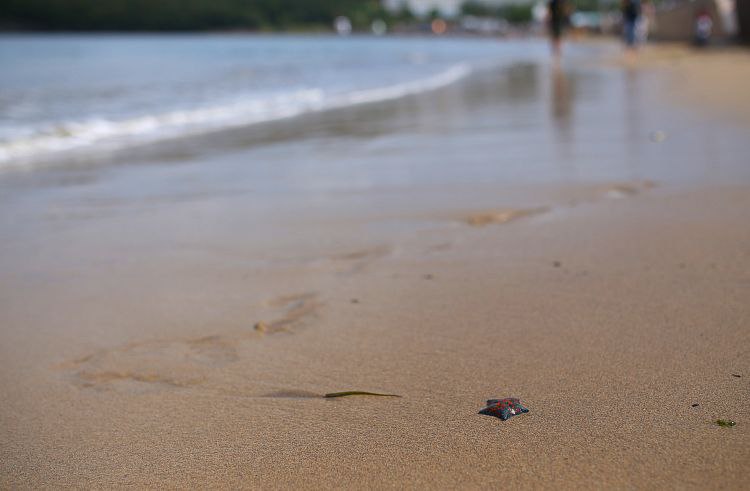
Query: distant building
[[422, 8], [675, 20], [446, 8]]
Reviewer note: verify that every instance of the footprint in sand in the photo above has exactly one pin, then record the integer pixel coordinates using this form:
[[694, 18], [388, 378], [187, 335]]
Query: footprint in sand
[[153, 365], [625, 190], [494, 217], [181, 363], [136, 367], [438, 248], [295, 310], [356, 261], [506, 215]]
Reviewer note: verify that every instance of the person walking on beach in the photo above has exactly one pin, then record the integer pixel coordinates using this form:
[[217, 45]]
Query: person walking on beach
[[556, 16], [646, 22], [631, 12]]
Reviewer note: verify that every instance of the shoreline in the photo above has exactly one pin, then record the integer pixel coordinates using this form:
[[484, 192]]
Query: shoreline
[[686, 75], [83, 139]]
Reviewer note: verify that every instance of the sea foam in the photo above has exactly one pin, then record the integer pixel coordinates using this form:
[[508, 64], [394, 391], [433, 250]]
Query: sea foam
[[93, 133]]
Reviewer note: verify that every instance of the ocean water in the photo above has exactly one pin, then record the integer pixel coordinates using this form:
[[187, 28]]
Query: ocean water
[[78, 93]]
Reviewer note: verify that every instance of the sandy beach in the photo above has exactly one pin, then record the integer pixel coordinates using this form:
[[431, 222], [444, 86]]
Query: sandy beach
[[575, 237]]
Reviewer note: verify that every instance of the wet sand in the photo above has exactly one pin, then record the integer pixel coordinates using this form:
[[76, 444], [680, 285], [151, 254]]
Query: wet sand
[[577, 239]]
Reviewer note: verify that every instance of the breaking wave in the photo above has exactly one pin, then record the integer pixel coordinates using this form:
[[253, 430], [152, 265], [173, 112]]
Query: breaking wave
[[111, 134]]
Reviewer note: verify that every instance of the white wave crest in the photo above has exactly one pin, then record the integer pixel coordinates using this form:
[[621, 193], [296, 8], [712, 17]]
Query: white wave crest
[[76, 135]]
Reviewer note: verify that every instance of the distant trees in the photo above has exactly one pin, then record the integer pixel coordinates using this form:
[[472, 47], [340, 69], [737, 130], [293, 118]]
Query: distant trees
[[521, 13], [190, 15], [513, 13], [182, 15]]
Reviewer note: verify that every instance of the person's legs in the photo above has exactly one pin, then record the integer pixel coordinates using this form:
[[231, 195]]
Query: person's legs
[[556, 47], [556, 39], [629, 33], [641, 30]]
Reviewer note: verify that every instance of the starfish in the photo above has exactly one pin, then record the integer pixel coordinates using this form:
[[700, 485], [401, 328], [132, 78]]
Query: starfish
[[503, 408]]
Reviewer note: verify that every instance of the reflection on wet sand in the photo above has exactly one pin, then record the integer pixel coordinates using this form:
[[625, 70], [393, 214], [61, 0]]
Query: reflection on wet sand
[[562, 103], [561, 109]]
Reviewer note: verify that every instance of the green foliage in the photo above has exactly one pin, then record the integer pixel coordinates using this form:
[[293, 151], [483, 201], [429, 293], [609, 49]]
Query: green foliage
[[586, 5], [521, 13], [364, 14], [596, 5], [478, 9], [513, 13], [517, 14], [177, 15], [434, 14], [405, 15], [726, 423]]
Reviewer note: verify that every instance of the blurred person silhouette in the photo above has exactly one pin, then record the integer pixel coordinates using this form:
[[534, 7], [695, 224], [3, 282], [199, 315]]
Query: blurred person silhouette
[[646, 22], [631, 13], [703, 27], [557, 14]]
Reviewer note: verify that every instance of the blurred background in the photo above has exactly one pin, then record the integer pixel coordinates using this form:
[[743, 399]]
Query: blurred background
[[674, 19]]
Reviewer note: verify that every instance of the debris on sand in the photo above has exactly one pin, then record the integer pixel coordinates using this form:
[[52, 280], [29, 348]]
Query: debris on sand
[[726, 423], [357, 393], [501, 216], [657, 136], [504, 408]]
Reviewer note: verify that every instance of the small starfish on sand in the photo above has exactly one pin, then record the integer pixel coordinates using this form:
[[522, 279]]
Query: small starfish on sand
[[503, 408]]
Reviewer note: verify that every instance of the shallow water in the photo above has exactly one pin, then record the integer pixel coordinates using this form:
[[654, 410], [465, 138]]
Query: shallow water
[[516, 135], [65, 92]]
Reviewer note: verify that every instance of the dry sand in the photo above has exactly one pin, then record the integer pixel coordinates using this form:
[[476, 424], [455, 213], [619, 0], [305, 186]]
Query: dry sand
[[611, 313]]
